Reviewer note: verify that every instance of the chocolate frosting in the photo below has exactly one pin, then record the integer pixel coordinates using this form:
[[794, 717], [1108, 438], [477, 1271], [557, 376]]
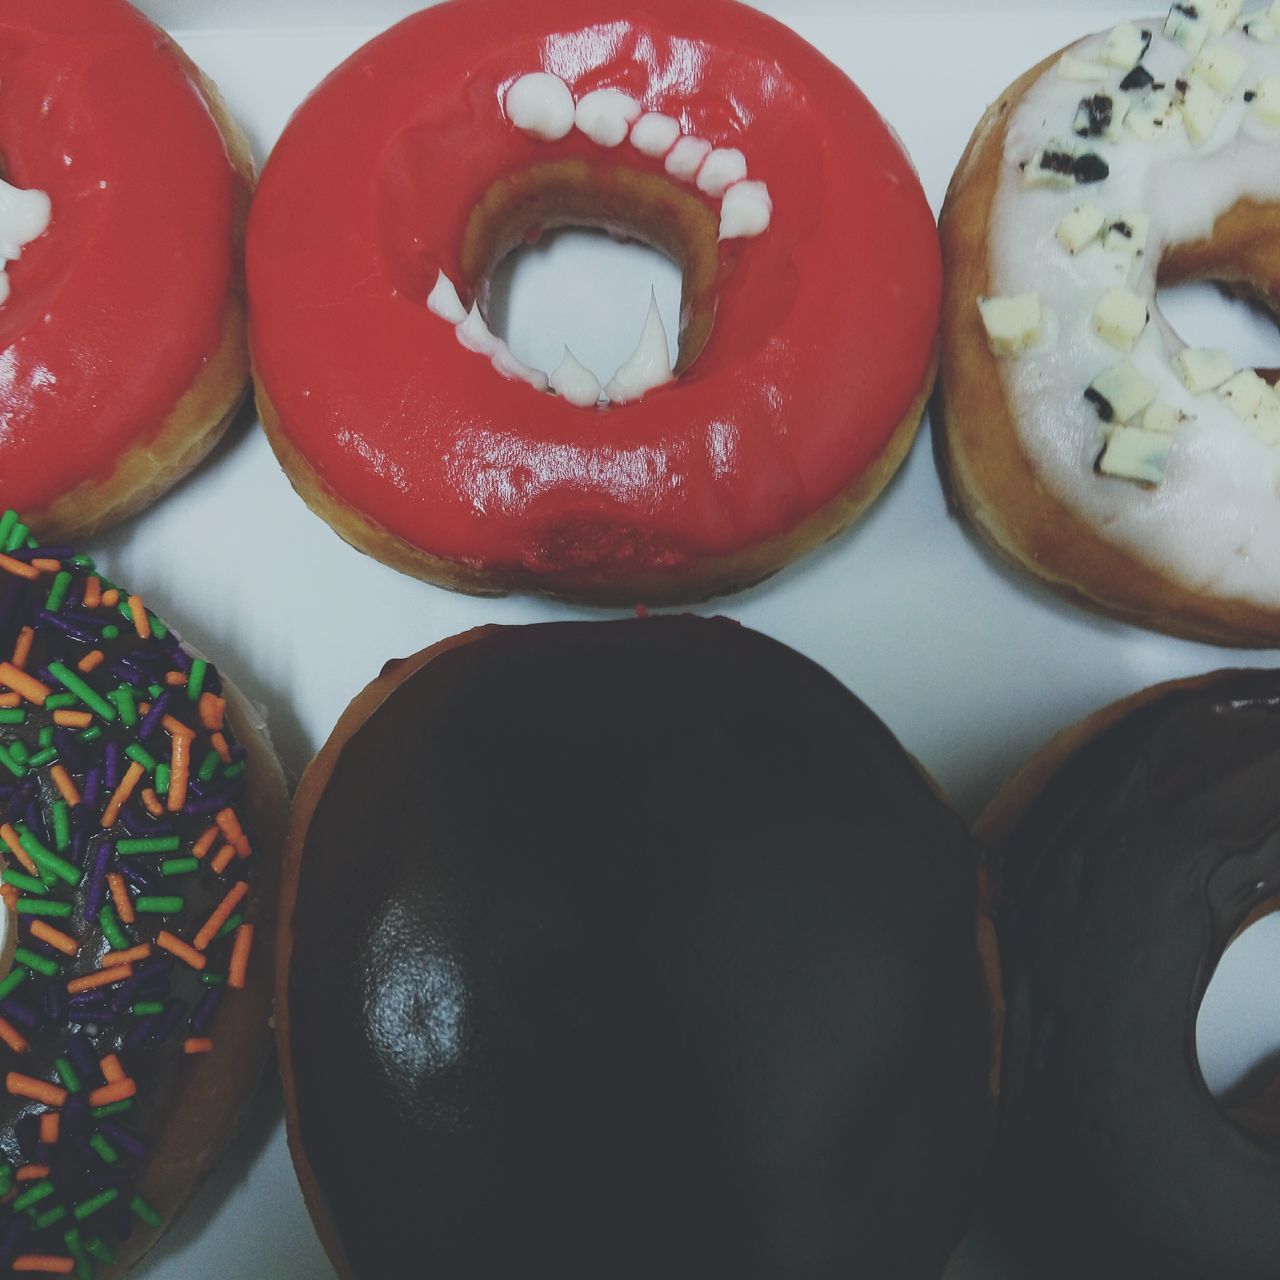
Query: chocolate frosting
[[636, 949], [1121, 889]]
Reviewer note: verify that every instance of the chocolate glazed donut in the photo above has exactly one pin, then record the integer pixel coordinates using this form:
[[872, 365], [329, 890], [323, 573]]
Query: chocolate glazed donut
[[1128, 857], [630, 950]]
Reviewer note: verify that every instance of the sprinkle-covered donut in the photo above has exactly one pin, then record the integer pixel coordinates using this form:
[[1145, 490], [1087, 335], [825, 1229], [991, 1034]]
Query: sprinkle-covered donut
[[1082, 435], [139, 807], [667, 965], [122, 207], [1126, 858], [808, 322]]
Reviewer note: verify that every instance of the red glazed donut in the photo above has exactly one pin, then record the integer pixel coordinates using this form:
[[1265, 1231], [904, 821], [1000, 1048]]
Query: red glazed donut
[[807, 336], [122, 335]]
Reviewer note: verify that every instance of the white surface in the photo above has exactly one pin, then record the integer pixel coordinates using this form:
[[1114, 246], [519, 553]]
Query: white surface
[[970, 664]]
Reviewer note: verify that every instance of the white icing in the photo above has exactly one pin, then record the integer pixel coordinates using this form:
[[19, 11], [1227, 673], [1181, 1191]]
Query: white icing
[[1213, 520], [745, 211], [686, 157], [541, 104], [606, 115], [475, 335], [648, 366], [575, 382], [24, 215], [507, 363], [655, 134], [443, 300], [720, 170]]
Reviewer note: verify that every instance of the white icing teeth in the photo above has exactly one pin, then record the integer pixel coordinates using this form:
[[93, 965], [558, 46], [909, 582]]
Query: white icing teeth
[[685, 158], [575, 382], [1120, 317], [654, 134], [474, 334], [606, 116], [1014, 325], [541, 104], [1080, 228], [24, 215], [1120, 393], [720, 170], [443, 300], [1202, 369], [648, 366], [507, 363], [746, 211]]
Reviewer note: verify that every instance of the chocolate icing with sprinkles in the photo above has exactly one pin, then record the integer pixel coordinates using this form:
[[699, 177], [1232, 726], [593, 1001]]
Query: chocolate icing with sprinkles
[[131, 878]]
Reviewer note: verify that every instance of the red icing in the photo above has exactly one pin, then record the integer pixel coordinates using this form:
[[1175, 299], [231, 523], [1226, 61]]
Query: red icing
[[115, 309], [823, 333]]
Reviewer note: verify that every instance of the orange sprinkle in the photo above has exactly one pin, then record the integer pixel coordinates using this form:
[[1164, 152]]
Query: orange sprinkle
[[112, 1069], [197, 1045], [58, 940], [223, 859], [183, 950], [120, 896], [113, 958], [34, 1172], [232, 829], [92, 592], [133, 775], [13, 1037], [22, 647], [206, 841], [18, 568], [222, 913], [10, 838], [48, 1263], [138, 612], [111, 598], [47, 565], [175, 679], [175, 727], [212, 710], [37, 1090], [51, 1127], [151, 803], [179, 772], [73, 719], [219, 743], [238, 969], [91, 661], [10, 700], [116, 1091], [67, 789], [103, 978], [30, 688]]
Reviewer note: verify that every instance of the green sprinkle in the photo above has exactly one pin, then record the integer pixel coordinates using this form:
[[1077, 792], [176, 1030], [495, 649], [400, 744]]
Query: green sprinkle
[[122, 696], [60, 701], [208, 766], [16, 767], [111, 632], [61, 825], [162, 779], [6, 1179], [111, 1109], [17, 536], [195, 681], [231, 926], [100, 1249], [155, 690], [47, 860], [140, 755], [36, 1192], [10, 984], [91, 734], [45, 736], [212, 979], [67, 1074], [82, 562], [41, 907], [111, 929], [86, 693], [12, 715], [39, 963], [58, 592], [146, 1008], [48, 1218], [144, 1211], [20, 753], [158, 629], [179, 866], [87, 1208], [148, 844], [44, 757], [75, 1247], [234, 770], [20, 880], [109, 1154], [158, 904], [7, 521]]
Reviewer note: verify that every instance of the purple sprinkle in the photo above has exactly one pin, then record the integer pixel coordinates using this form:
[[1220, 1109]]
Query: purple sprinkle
[[124, 1138], [137, 875], [180, 658], [75, 1111], [91, 792], [204, 1011], [206, 804], [12, 1238], [66, 627], [140, 1033], [55, 1002], [96, 894], [89, 1006], [151, 721], [69, 752], [111, 764], [173, 1014], [81, 1053], [18, 1012]]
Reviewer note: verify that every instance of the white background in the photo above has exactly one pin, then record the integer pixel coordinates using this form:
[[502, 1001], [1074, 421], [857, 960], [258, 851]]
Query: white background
[[971, 664]]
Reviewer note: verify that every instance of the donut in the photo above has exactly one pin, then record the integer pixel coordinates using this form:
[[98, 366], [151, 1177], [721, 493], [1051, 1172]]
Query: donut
[[1081, 435], [665, 965], [122, 316], [141, 811], [1126, 858], [811, 287]]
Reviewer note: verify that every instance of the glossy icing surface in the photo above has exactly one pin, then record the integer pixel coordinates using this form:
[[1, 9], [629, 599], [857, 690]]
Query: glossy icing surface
[[115, 309], [823, 329], [657, 958], [1121, 889]]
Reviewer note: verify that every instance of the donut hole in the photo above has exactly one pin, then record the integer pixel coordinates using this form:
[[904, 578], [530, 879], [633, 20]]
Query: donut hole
[[1208, 314], [1238, 1027], [585, 289]]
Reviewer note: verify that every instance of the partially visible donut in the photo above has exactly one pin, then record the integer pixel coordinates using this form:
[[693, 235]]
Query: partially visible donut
[[632, 949], [1079, 433], [122, 319], [141, 809], [1126, 857], [809, 314]]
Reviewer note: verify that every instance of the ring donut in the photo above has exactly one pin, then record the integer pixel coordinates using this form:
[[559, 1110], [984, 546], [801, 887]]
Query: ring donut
[[1082, 436], [122, 326], [1126, 858], [809, 314]]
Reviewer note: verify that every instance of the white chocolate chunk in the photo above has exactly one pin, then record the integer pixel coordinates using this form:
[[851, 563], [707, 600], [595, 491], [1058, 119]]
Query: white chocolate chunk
[[1125, 45], [1220, 67], [1051, 166], [1202, 108], [444, 301], [1120, 317], [655, 134], [745, 211], [1266, 100], [686, 157], [1203, 369], [1257, 27], [575, 382], [1151, 115], [720, 170], [1014, 325], [507, 363], [475, 335], [1163, 417], [1134, 453], [1187, 26], [1244, 393], [1071, 66], [1101, 116], [1220, 14], [1080, 227], [1120, 393], [648, 366], [606, 115], [1265, 420], [541, 104], [1127, 232]]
